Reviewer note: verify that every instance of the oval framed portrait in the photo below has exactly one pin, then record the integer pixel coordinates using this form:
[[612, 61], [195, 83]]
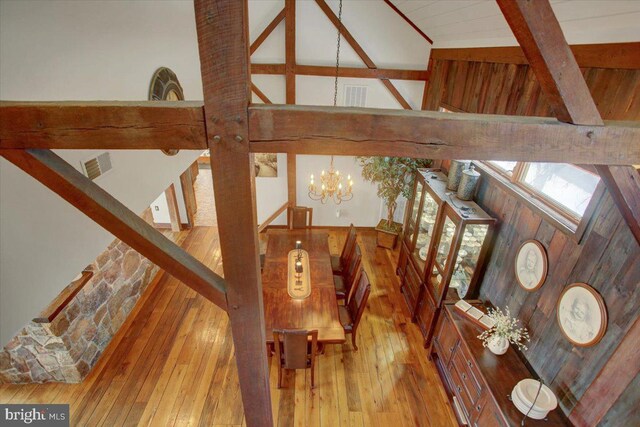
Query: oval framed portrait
[[582, 315], [531, 265]]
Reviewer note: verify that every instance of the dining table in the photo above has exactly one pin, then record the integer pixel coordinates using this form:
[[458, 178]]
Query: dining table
[[318, 311]]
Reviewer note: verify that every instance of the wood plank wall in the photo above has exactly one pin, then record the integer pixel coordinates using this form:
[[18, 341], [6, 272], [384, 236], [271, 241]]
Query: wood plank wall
[[497, 88], [607, 258]]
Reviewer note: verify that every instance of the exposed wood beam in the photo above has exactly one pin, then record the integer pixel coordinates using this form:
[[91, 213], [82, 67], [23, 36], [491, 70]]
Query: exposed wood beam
[[291, 179], [623, 183], [290, 50], [260, 94], [360, 51], [267, 31], [425, 91], [607, 55], [273, 217], [103, 125], [325, 71], [538, 31], [222, 27], [174, 212], [429, 134], [100, 206], [409, 21]]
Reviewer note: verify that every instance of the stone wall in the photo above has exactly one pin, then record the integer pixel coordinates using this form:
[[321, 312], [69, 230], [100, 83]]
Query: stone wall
[[65, 349]]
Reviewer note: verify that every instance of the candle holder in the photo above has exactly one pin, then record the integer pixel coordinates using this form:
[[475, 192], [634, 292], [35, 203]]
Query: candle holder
[[299, 270], [299, 248]]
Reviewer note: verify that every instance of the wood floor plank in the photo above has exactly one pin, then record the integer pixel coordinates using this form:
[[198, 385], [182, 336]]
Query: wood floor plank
[[173, 362]]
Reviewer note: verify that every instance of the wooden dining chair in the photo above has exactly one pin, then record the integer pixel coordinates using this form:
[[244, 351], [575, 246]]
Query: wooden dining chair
[[299, 217], [295, 351], [351, 313], [339, 263], [344, 282]]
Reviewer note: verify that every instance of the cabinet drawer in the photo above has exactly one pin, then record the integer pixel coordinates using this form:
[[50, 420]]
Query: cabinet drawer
[[446, 338], [459, 392], [469, 377]]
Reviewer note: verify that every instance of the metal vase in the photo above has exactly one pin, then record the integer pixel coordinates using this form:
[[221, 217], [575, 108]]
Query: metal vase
[[455, 173], [468, 183]]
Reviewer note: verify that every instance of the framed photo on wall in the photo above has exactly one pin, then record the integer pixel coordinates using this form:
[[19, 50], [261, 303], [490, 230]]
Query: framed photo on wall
[[531, 265], [582, 315]]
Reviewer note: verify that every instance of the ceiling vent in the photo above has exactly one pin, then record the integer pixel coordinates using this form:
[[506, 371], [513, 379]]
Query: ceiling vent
[[355, 96], [97, 166]]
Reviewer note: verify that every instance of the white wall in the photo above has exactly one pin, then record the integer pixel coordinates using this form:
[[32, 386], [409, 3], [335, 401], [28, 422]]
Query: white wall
[[371, 23], [81, 51], [107, 50]]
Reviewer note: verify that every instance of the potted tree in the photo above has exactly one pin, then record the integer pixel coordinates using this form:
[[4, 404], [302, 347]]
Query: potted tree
[[394, 176]]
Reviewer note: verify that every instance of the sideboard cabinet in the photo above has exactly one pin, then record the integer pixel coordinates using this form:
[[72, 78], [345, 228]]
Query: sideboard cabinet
[[477, 381]]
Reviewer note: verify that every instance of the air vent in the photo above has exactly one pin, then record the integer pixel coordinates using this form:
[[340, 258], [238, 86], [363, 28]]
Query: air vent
[[355, 96], [97, 166]]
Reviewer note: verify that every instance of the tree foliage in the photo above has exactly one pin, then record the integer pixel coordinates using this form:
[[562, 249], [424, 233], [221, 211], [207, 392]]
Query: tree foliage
[[393, 175]]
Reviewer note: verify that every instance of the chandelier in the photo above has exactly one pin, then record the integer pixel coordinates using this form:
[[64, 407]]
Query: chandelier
[[331, 183], [331, 187]]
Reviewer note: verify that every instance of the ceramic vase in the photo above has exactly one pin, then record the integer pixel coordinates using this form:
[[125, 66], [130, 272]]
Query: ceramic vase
[[498, 345]]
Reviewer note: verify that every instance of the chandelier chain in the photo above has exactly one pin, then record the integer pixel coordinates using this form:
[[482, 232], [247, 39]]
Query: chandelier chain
[[335, 83]]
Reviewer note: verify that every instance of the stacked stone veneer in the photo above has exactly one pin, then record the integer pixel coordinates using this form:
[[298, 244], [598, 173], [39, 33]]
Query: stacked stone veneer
[[66, 349]]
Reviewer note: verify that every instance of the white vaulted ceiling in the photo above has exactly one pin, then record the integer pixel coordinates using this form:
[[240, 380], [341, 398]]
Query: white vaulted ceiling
[[479, 23]]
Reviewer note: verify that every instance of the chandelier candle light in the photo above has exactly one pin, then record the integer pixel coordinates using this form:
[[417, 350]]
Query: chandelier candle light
[[331, 183], [331, 187]]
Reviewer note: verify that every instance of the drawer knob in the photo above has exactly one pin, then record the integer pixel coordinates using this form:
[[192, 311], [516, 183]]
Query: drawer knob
[[464, 377], [459, 389], [451, 349], [478, 408], [468, 363]]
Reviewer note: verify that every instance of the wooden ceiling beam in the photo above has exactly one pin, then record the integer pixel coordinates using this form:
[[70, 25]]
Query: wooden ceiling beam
[[325, 71], [267, 31], [63, 179], [538, 31], [430, 134], [409, 21], [222, 28], [360, 51], [103, 125]]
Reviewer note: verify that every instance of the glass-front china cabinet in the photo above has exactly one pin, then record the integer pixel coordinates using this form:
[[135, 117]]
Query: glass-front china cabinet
[[443, 248]]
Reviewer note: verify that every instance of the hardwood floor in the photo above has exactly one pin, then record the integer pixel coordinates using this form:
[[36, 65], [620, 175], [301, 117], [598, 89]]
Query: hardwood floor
[[173, 363]]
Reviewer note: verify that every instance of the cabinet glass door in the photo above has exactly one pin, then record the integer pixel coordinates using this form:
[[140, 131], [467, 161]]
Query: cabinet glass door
[[413, 217], [425, 230], [466, 261], [442, 254]]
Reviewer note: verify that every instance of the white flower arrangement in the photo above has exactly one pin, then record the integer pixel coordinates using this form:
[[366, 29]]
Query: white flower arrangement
[[505, 327]]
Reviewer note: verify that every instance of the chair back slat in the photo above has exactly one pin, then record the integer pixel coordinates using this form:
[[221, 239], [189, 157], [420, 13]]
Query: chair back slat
[[353, 270], [293, 348], [358, 301], [349, 245], [300, 217]]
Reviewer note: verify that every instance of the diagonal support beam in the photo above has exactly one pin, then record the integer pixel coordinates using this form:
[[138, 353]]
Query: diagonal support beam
[[267, 31], [222, 27], [360, 51], [538, 31], [409, 21], [260, 94], [100, 206]]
